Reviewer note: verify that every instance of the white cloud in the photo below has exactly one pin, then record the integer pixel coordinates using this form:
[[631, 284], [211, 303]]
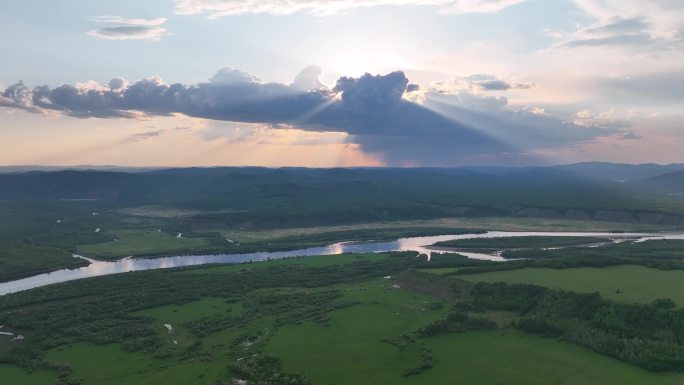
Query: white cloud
[[478, 6], [665, 17], [218, 8], [230, 75], [478, 83], [641, 25], [123, 21], [129, 29]]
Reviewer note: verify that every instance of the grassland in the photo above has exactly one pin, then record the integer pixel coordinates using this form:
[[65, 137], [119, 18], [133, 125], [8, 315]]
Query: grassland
[[349, 349], [490, 223], [347, 319], [41, 236], [369, 338], [473, 358], [18, 376], [520, 242], [141, 243], [19, 258], [625, 283], [652, 249]]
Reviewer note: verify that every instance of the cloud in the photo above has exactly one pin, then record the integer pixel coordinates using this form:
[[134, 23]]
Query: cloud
[[654, 25], [631, 135], [662, 18], [129, 29], [219, 8], [122, 21], [479, 82], [478, 6], [144, 135], [231, 75], [308, 79], [373, 110], [618, 31]]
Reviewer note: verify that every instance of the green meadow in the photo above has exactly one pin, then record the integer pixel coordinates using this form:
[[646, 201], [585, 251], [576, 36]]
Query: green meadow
[[348, 350], [624, 283], [368, 343], [343, 319], [141, 243]]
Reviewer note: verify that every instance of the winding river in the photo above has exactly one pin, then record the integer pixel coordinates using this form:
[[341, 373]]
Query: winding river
[[418, 244]]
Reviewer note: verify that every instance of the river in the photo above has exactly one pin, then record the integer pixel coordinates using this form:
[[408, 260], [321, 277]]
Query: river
[[418, 244]]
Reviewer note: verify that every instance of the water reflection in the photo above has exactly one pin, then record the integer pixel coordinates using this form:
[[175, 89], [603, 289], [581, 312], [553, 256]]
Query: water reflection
[[418, 244]]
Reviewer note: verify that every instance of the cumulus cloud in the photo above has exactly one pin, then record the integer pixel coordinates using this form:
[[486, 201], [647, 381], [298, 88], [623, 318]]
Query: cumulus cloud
[[372, 109], [119, 28], [309, 79], [231, 75], [219, 8]]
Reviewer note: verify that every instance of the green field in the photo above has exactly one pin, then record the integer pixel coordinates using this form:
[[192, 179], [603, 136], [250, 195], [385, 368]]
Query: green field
[[348, 350], [520, 242], [141, 243], [40, 236], [343, 319], [474, 358], [635, 283], [18, 376], [19, 259], [177, 314]]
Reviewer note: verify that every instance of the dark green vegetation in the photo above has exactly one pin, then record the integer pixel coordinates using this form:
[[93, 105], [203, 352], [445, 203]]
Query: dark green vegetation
[[657, 254], [520, 242], [645, 335], [624, 283], [337, 319], [293, 197], [36, 237], [47, 216], [671, 249], [577, 315]]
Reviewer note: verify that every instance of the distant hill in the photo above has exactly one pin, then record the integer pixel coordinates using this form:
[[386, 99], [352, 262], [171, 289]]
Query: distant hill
[[672, 179], [29, 168], [595, 171], [265, 197]]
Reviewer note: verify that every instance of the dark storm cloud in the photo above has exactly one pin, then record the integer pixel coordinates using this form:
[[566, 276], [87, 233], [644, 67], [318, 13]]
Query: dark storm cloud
[[372, 109]]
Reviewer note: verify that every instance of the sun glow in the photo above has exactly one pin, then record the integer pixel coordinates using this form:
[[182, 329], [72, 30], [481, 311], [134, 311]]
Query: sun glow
[[356, 61]]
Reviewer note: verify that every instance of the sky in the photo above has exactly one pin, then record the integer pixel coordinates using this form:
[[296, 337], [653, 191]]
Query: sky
[[328, 83]]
